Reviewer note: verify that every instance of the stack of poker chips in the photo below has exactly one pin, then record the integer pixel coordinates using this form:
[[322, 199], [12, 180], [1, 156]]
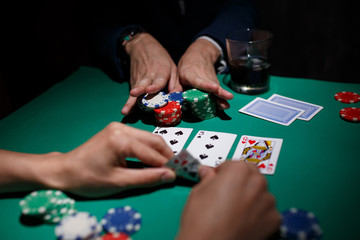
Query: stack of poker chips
[[80, 225], [49, 206], [299, 224], [202, 104], [169, 115], [122, 220]]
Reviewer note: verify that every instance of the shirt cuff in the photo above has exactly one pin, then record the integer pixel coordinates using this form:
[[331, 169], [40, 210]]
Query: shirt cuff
[[221, 64]]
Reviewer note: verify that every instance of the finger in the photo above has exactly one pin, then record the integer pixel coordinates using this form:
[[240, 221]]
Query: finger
[[153, 154], [140, 88], [129, 105], [143, 177], [158, 84], [222, 104], [206, 173], [222, 93], [174, 82], [154, 141]]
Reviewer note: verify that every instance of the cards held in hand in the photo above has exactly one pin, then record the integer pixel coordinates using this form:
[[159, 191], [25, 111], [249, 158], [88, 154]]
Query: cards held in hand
[[185, 166]]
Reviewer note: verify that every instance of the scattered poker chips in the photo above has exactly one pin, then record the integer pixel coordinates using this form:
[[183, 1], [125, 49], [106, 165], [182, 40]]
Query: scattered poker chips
[[149, 102], [202, 104], [122, 220], [80, 225], [347, 97], [169, 115], [298, 224], [351, 114], [48, 205]]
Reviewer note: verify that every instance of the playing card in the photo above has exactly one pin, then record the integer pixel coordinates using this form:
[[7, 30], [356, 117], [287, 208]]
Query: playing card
[[271, 111], [310, 109], [262, 151], [184, 165], [211, 148], [174, 137]]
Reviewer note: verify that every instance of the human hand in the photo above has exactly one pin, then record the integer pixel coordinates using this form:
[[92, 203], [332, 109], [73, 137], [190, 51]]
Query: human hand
[[196, 69], [151, 68], [98, 167], [230, 202]]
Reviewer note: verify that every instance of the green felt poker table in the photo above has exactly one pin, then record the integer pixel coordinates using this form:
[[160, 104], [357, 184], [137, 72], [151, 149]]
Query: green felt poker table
[[317, 170]]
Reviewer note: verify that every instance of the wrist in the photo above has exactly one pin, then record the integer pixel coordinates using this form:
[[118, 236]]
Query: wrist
[[207, 49]]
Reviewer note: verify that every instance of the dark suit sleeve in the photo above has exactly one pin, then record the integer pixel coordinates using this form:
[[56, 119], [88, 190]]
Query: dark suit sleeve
[[233, 14]]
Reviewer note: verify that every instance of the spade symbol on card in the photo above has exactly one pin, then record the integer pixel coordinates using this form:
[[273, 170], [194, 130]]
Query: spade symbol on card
[[163, 131], [174, 141], [200, 134], [203, 156], [215, 137], [179, 133], [208, 146]]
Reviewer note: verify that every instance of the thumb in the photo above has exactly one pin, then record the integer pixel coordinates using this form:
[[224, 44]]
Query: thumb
[[206, 173], [141, 177]]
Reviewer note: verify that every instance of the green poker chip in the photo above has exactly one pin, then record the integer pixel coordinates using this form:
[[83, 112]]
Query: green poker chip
[[49, 205], [194, 95]]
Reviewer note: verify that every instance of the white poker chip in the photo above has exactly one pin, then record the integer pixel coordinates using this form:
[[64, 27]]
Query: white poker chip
[[80, 225], [156, 100]]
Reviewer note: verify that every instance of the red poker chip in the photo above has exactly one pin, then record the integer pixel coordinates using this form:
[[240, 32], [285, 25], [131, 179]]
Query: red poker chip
[[168, 124], [351, 114], [169, 109], [169, 120], [347, 97], [115, 236]]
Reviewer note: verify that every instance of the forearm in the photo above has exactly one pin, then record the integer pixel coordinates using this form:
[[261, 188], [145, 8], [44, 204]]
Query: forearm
[[24, 172]]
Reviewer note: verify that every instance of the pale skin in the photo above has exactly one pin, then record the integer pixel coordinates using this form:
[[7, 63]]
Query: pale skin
[[152, 69], [221, 205]]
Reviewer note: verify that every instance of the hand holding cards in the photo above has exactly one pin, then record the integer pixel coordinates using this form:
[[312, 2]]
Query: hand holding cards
[[185, 166]]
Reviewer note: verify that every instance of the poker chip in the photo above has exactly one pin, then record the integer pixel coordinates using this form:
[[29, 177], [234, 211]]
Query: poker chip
[[176, 97], [299, 224], [169, 109], [351, 114], [80, 225], [115, 236], [153, 101], [122, 220], [48, 205], [202, 104], [347, 97]]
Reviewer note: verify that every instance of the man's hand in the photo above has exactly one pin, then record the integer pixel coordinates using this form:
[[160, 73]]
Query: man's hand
[[96, 168], [230, 203], [151, 69], [196, 69]]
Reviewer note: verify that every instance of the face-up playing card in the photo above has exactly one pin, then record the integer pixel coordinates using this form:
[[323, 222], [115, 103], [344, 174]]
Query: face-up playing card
[[174, 137], [185, 165], [272, 111], [211, 148], [264, 152], [310, 109]]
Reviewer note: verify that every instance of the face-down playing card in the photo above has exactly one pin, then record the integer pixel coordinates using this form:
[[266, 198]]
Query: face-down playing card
[[174, 137], [211, 148], [263, 152]]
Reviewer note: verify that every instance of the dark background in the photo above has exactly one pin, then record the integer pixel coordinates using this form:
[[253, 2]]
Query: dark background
[[41, 44]]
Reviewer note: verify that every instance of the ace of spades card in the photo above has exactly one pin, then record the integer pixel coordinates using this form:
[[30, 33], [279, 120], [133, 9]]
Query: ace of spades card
[[174, 137], [264, 152], [211, 148]]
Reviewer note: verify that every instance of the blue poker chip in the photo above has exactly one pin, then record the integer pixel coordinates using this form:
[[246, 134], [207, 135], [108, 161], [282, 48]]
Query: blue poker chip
[[299, 224], [176, 97], [122, 220]]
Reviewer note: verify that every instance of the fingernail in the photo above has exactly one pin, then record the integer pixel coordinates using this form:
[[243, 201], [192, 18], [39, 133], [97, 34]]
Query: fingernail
[[168, 176], [202, 170]]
